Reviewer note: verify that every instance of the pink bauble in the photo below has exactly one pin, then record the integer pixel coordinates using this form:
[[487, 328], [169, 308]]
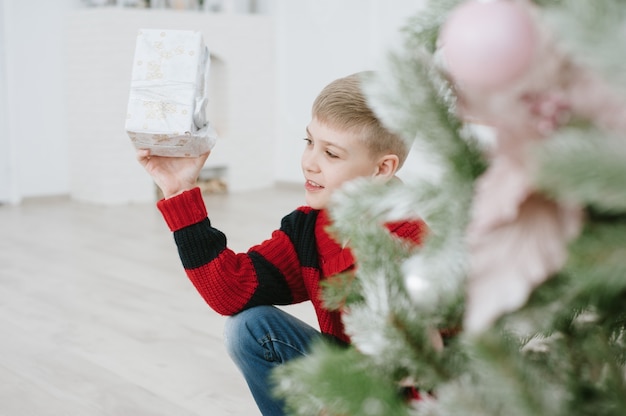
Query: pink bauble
[[488, 44]]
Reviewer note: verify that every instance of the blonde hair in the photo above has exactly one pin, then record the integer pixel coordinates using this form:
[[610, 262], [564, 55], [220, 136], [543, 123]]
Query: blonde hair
[[343, 105]]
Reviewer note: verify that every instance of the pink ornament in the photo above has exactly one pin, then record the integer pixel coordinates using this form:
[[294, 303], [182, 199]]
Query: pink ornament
[[488, 44]]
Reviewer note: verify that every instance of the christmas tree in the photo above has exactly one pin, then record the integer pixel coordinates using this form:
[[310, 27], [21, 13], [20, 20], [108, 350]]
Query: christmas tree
[[515, 304]]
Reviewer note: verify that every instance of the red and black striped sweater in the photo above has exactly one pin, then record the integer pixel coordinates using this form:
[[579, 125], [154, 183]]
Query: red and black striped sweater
[[285, 269]]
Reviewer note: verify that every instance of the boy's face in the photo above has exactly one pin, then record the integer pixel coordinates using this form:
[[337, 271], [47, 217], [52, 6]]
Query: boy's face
[[332, 157]]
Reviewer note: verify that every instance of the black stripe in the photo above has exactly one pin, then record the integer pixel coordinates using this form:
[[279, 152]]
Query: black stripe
[[299, 226], [199, 244], [273, 287]]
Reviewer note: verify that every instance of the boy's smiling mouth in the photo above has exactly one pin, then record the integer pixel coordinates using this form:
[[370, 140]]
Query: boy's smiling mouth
[[310, 185]]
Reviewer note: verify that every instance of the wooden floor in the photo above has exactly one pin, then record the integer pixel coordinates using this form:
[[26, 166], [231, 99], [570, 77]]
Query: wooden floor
[[98, 318]]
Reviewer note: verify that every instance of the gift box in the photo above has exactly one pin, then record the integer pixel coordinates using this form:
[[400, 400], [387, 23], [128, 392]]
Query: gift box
[[169, 94]]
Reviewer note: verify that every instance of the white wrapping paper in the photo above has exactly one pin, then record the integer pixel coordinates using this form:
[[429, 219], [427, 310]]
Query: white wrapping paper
[[169, 94]]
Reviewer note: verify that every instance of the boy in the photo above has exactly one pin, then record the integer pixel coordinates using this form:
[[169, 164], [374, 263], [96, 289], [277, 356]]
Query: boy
[[344, 141]]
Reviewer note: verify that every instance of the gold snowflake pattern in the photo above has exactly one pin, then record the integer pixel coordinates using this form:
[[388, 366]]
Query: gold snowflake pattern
[[154, 67], [159, 109], [160, 138], [154, 71]]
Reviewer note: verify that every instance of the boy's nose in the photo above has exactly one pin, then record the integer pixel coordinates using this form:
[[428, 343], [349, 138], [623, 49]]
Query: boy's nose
[[309, 163]]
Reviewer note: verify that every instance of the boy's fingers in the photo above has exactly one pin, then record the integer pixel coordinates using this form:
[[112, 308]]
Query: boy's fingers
[[143, 154], [204, 156]]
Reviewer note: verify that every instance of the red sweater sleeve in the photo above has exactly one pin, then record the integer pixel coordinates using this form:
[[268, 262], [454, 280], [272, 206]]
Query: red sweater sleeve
[[183, 210], [230, 282]]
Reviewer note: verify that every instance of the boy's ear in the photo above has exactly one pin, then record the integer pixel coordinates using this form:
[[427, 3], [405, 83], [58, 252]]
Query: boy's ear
[[387, 166]]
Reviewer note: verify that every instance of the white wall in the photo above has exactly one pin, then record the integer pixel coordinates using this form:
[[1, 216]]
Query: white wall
[[316, 41], [7, 180], [34, 114]]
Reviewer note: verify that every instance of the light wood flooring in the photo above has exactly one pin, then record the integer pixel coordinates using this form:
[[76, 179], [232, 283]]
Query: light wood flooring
[[98, 318]]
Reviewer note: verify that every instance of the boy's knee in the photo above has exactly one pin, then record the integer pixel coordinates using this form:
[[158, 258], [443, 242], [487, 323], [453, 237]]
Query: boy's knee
[[239, 329]]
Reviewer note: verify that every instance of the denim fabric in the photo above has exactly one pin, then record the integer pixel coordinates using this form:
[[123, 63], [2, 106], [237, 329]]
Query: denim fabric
[[260, 339]]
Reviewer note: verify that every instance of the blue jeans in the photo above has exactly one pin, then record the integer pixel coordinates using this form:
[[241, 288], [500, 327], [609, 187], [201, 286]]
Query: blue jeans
[[260, 339]]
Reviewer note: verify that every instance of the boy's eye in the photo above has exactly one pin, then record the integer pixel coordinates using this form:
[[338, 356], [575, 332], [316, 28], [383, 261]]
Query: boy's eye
[[329, 153]]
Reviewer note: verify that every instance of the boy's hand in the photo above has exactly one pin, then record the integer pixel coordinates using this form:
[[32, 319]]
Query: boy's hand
[[173, 175]]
